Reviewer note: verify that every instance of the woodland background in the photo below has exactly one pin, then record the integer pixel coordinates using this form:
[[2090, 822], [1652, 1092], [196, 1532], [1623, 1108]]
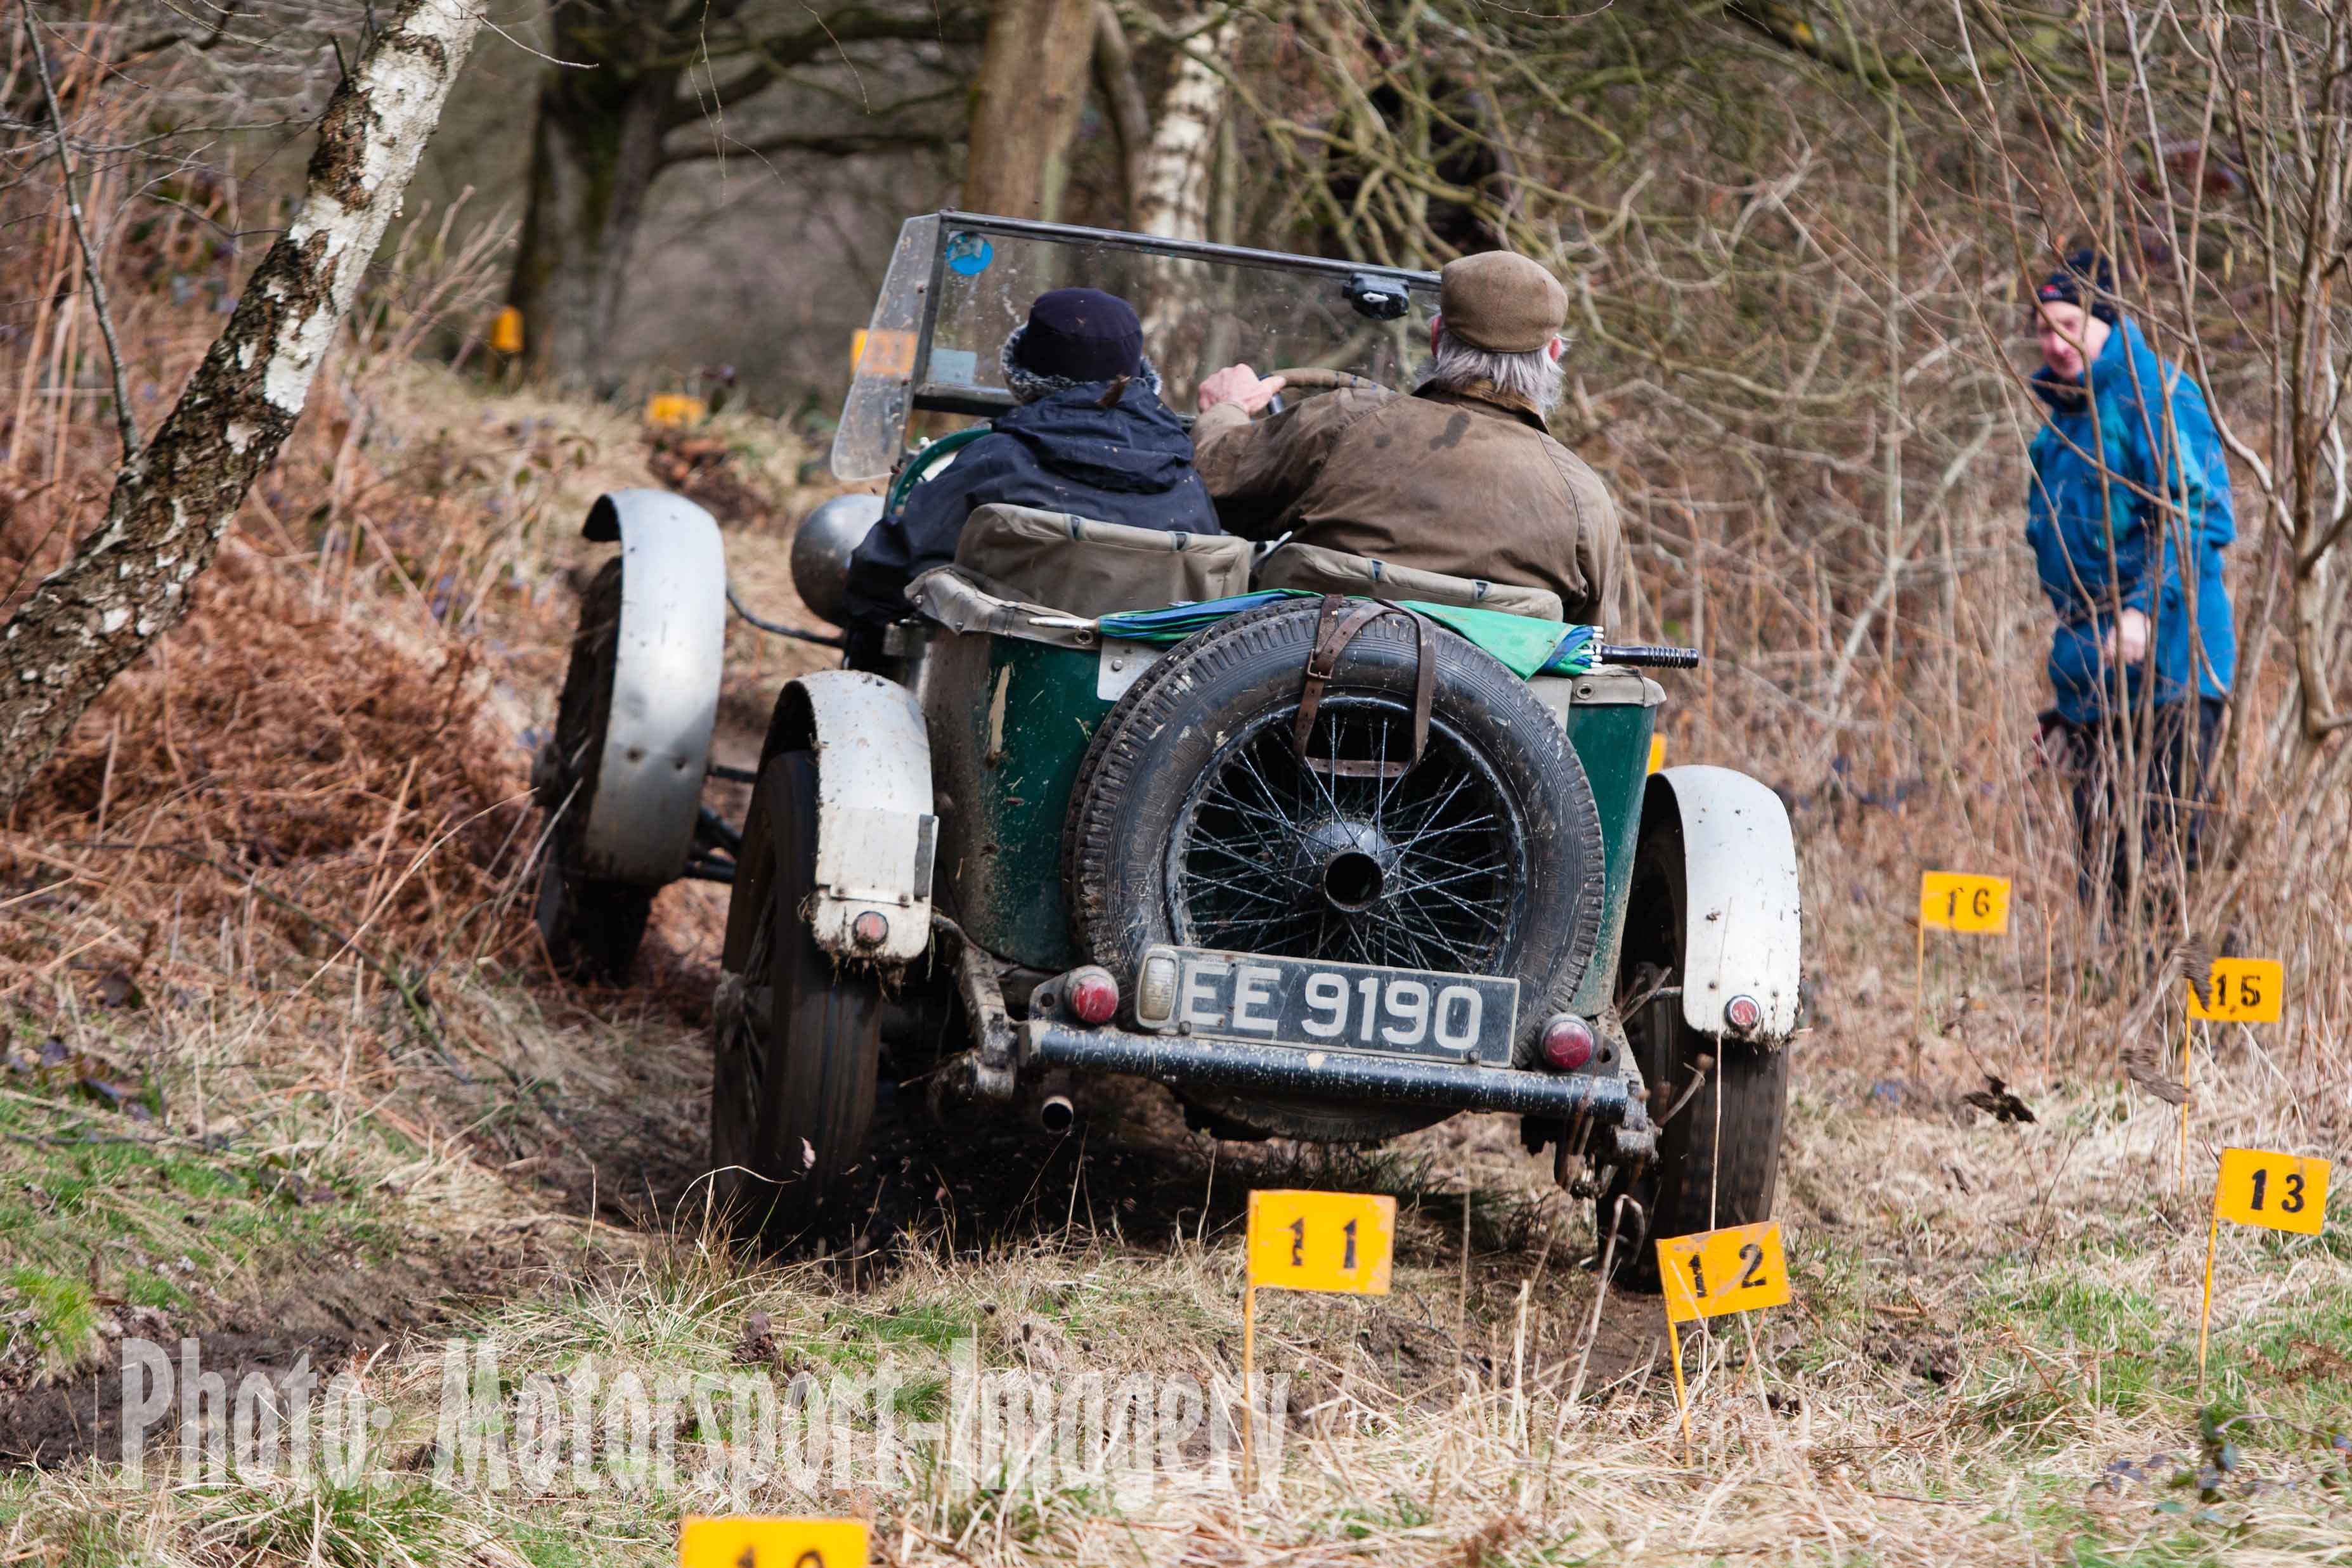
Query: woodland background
[[264, 943]]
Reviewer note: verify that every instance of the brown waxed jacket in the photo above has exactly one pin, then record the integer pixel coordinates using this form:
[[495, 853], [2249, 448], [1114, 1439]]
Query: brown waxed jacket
[[1442, 480]]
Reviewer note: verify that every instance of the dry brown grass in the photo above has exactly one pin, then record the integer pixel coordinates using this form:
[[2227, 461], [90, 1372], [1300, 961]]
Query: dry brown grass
[[1987, 1318]]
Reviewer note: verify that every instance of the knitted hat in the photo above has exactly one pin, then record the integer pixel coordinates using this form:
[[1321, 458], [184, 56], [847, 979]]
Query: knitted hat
[[1502, 302], [1080, 335], [2085, 272]]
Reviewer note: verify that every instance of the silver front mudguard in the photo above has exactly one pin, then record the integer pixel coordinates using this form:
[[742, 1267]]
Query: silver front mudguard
[[672, 642]]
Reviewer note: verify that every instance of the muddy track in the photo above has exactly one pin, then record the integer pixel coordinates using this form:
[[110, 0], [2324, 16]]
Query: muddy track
[[343, 1315]]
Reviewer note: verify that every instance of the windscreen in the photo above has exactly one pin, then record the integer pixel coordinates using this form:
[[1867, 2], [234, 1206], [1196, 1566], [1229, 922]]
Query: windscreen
[[874, 418], [1199, 313]]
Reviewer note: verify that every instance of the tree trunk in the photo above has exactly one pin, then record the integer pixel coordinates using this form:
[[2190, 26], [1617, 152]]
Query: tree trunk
[[595, 149], [1171, 196], [1025, 104], [1172, 200], [128, 582], [1122, 94]]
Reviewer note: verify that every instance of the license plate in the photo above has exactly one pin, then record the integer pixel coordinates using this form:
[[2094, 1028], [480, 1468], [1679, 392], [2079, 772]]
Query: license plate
[[1342, 1006]]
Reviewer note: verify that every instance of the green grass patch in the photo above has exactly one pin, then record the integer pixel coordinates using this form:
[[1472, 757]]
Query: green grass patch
[[2089, 1345], [16, 1490], [1107, 1303], [376, 1522], [2131, 1341], [158, 1211], [2166, 1550], [926, 1325], [543, 1547], [63, 1326]]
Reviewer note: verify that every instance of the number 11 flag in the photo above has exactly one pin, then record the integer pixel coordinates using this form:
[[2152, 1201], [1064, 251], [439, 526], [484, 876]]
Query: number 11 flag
[[1322, 1241]]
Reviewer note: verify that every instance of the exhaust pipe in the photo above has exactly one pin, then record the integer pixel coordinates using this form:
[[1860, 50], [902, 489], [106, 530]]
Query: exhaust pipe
[[1055, 1113]]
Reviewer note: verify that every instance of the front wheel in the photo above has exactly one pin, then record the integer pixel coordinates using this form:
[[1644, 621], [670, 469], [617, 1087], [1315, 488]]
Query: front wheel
[[1720, 1101], [593, 926], [798, 1045]]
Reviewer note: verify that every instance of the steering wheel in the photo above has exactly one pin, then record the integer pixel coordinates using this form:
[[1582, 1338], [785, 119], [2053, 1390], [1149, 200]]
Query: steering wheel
[[1313, 379]]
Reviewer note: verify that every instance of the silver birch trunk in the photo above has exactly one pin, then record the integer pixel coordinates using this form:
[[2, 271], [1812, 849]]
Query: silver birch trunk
[[129, 581], [1173, 196]]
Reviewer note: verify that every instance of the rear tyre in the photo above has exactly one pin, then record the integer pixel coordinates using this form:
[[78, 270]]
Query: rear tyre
[[798, 1044], [593, 926], [1718, 1159]]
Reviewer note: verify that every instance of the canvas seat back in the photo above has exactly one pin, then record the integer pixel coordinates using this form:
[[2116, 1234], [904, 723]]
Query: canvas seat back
[[1320, 571], [1081, 567]]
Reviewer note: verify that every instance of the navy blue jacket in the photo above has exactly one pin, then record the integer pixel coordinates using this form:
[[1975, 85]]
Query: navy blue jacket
[[2129, 503], [1131, 464]]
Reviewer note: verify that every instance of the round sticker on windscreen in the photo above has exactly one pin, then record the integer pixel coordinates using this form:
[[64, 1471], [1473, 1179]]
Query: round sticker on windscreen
[[968, 254]]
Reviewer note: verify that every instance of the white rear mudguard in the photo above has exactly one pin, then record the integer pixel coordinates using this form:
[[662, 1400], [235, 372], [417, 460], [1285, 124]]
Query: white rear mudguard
[[1740, 930], [665, 685], [876, 834]]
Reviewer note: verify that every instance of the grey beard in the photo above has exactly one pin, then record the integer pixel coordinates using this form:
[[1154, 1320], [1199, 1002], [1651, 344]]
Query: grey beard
[[1027, 386]]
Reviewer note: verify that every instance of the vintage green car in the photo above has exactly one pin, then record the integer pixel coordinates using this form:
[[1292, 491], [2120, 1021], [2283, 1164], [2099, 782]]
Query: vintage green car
[[1129, 803]]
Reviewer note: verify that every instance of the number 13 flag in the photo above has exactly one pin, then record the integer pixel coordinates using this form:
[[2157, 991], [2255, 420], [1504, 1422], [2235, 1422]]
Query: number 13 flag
[[2277, 1192]]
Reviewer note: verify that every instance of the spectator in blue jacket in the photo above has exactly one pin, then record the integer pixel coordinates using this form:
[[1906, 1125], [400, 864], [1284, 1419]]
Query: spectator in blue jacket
[[2128, 511]]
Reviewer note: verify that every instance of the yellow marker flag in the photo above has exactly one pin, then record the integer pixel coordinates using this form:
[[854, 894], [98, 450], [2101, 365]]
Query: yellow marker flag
[[506, 331], [1322, 1241], [889, 354], [1955, 901], [1657, 754], [747, 1543], [2277, 1192], [2260, 1186], [2245, 990], [1736, 1269], [675, 411]]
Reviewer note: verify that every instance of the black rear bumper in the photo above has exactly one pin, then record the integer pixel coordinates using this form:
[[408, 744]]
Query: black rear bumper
[[1360, 1077]]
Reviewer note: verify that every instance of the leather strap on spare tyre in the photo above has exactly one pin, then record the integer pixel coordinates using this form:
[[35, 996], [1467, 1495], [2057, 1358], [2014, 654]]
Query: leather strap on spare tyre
[[1335, 628]]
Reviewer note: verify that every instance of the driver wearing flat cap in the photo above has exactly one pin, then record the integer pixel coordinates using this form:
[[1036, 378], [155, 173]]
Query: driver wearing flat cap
[[1460, 477]]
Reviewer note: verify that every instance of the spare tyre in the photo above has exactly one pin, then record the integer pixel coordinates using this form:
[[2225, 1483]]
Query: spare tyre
[[1197, 820]]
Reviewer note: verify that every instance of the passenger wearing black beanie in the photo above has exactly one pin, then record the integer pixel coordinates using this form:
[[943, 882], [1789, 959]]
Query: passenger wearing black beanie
[[1090, 437], [1075, 337]]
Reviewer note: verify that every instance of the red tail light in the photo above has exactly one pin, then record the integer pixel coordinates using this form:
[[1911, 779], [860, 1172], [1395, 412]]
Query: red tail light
[[1567, 1042], [1094, 995]]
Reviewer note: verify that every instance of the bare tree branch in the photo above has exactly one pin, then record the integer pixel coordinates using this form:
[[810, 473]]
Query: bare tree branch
[[1130, 112], [847, 144], [128, 582], [125, 424], [775, 56]]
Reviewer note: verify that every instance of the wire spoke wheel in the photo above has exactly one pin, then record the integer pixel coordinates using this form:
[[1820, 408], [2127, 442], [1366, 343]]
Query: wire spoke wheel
[[1271, 855]]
